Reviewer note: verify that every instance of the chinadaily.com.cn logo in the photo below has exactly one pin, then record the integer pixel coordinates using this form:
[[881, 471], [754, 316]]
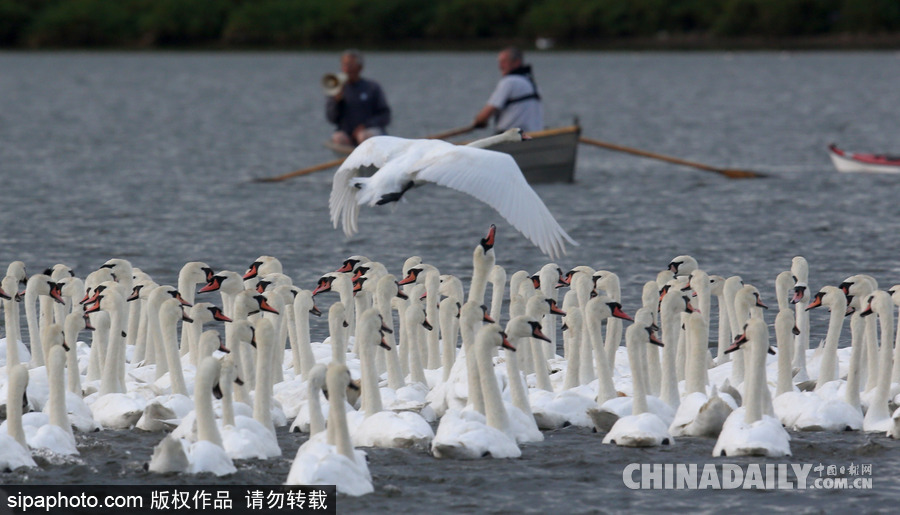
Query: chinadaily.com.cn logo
[[760, 476]]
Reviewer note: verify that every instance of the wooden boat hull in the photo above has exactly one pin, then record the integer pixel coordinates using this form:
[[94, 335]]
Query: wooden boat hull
[[850, 162], [549, 156]]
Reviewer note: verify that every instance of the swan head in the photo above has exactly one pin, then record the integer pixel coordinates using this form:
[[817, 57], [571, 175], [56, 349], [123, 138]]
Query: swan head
[[262, 266], [523, 327], [349, 264], [491, 335], [487, 243], [682, 265], [16, 269], [171, 311], [830, 296], [337, 379], [880, 302]]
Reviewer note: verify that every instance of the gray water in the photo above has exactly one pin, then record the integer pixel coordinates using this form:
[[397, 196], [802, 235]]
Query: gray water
[[150, 157]]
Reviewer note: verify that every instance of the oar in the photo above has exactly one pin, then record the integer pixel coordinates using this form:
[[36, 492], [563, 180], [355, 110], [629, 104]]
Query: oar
[[728, 172], [337, 162]]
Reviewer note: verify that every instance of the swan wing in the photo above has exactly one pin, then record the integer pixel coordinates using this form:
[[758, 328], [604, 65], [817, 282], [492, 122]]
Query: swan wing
[[376, 151], [495, 179]]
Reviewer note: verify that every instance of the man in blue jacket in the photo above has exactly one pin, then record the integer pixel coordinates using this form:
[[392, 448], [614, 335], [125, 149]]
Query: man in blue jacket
[[359, 109]]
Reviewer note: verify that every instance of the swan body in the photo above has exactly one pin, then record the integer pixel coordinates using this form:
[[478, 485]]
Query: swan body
[[207, 453], [14, 452], [382, 428], [333, 461], [492, 177], [642, 428], [750, 430], [466, 433]]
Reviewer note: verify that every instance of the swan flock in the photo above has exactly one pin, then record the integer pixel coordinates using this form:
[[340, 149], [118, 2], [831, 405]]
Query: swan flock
[[420, 360]]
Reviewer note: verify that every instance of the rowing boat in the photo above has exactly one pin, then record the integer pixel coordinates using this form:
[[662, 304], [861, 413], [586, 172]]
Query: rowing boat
[[548, 156], [857, 162]]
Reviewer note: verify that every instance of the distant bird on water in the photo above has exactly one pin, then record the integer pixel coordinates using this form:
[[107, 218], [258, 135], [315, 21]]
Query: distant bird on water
[[492, 177]]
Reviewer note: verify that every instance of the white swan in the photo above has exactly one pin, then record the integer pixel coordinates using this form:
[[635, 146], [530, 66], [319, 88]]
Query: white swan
[[112, 407], [207, 453], [800, 273], [823, 409], [333, 461], [311, 418], [492, 177], [878, 417], [56, 434], [242, 437], [699, 414], [382, 428], [467, 434], [642, 428], [14, 452], [749, 430]]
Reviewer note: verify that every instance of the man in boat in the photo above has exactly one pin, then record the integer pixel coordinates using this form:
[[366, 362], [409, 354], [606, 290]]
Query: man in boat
[[357, 107], [516, 101]]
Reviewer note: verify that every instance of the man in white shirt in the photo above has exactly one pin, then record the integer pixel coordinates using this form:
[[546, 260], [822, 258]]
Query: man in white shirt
[[516, 101]]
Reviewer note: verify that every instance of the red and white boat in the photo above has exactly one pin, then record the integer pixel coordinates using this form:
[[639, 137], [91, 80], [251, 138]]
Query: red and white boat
[[856, 162]]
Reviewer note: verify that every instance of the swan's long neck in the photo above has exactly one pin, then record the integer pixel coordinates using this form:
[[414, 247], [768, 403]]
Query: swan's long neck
[[11, 318], [871, 353], [337, 331], [155, 346], [784, 324], [18, 380], [338, 430], [636, 359], [56, 403], [857, 344], [538, 358], [449, 334], [227, 386], [99, 338], [432, 289], [878, 408], [828, 367], [303, 351], [498, 287], [670, 322], [572, 338], [316, 420], [801, 341], [756, 380], [468, 328], [169, 330], [73, 378], [695, 367], [606, 390], [371, 401], [34, 334], [111, 382], [724, 336], [495, 411], [206, 419], [517, 388], [482, 262], [262, 400], [415, 340], [392, 357], [895, 373]]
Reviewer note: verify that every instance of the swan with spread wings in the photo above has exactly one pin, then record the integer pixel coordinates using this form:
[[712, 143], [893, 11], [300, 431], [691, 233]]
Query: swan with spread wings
[[492, 177]]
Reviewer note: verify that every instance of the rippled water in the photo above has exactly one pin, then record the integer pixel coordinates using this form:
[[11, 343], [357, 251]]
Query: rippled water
[[150, 156]]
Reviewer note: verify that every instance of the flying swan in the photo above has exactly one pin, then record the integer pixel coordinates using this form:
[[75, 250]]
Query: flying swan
[[492, 177]]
